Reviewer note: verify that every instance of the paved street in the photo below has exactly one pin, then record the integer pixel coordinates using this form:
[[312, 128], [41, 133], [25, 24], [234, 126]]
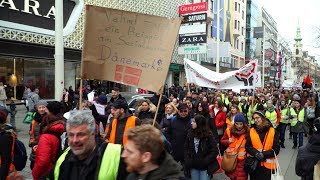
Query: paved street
[[287, 156]]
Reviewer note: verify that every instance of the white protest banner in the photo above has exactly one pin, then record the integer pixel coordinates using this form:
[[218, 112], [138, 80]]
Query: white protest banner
[[127, 47], [239, 79]]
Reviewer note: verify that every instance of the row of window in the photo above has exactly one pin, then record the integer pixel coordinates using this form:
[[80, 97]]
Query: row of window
[[236, 44]]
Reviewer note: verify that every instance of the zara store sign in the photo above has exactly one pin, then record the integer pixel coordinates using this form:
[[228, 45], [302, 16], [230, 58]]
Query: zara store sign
[[38, 16]]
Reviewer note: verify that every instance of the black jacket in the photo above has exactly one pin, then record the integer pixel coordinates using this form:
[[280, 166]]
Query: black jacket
[[176, 133], [6, 141], [168, 169], [307, 157], [205, 158], [145, 115]]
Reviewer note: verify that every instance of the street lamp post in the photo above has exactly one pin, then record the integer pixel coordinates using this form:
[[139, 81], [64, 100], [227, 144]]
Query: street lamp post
[[263, 54]]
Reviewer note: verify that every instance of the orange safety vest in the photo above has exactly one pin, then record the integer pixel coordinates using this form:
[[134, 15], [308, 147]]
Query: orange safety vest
[[131, 122], [237, 146], [228, 122], [270, 163]]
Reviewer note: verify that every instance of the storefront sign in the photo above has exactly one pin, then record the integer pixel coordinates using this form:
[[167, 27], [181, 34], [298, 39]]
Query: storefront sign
[[192, 50], [194, 18], [193, 39], [39, 15], [195, 28], [191, 8]]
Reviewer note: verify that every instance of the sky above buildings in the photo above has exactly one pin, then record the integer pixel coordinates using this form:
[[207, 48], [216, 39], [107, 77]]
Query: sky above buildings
[[287, 12]]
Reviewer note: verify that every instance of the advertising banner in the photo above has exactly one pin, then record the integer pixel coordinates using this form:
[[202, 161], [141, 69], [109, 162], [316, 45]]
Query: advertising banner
[[194, 18], [192, 50], [243, 78], [191, 29], [191, 8], [193, 39]]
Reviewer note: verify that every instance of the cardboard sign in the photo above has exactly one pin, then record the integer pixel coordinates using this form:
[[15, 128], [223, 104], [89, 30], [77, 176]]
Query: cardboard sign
[[129, 48]]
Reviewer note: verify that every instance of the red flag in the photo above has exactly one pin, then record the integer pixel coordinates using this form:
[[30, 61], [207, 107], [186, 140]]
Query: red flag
[[307, 82]]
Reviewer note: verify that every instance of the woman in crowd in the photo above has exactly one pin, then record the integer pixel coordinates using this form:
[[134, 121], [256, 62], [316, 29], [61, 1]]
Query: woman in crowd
[[146, 110], [170, 111], [66, 100], [262, 143], [51, 128], [200, 150], [203, 109], [310, 108], [34, 131], [234, 110], [234, 139], [220, 113]]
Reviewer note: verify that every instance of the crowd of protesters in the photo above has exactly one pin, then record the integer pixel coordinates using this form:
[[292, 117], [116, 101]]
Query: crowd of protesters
[[104, 139]]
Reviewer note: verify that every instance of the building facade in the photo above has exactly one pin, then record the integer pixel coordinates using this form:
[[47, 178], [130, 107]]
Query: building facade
[[269, 44], [252, 15]]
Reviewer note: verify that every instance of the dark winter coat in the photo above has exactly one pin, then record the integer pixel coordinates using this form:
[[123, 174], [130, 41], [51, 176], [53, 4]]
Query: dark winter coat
[[176, 133], [261, 172], [307, 157], [205, 158], [168, 169], [6, 141], [74, 169], [48, 149]]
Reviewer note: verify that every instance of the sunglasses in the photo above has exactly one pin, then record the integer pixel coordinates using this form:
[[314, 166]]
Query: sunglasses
[[183, 111]]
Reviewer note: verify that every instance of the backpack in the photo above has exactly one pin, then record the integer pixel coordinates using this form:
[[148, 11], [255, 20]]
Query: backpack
[[20, 155]]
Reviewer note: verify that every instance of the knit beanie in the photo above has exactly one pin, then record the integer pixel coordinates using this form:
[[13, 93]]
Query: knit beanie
[[42, 103], [239, 118]]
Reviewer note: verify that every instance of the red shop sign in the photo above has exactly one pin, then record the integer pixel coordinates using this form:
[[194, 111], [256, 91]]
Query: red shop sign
[[191, 8]]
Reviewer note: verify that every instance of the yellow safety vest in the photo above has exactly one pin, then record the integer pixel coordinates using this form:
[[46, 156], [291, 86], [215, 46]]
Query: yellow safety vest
[[272, 116], [284, 114], [299, 116], [249, 114], [109, 163]]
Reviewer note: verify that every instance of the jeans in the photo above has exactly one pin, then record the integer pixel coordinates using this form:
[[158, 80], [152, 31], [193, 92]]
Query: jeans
[[295, 138], [199, 174], [283, 132]]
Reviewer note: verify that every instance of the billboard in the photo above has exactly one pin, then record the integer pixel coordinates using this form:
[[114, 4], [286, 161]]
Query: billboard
[[191, 8], [192, 39], [194, 18], [195, 28]]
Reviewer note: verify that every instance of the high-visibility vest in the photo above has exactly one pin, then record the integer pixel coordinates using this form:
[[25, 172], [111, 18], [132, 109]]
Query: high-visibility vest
[[270, 163], [229, 122], [284, 116], [109, 163], [299, 116], [237, 146], [131, 122], [249, 114], [272, 116]]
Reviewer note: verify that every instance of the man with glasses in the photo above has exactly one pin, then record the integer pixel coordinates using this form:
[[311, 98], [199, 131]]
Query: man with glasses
[[177, 132]]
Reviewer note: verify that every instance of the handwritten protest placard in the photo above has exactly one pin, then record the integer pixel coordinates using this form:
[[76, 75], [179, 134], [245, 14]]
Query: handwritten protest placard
[[127, 47]]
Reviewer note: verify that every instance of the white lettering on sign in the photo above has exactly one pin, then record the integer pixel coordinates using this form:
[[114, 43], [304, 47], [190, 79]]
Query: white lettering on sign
[[30, 7], [192, 39], [200, 17]]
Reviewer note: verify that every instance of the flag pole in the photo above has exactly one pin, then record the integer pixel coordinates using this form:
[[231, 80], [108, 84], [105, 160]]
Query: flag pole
[[160, 99]]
